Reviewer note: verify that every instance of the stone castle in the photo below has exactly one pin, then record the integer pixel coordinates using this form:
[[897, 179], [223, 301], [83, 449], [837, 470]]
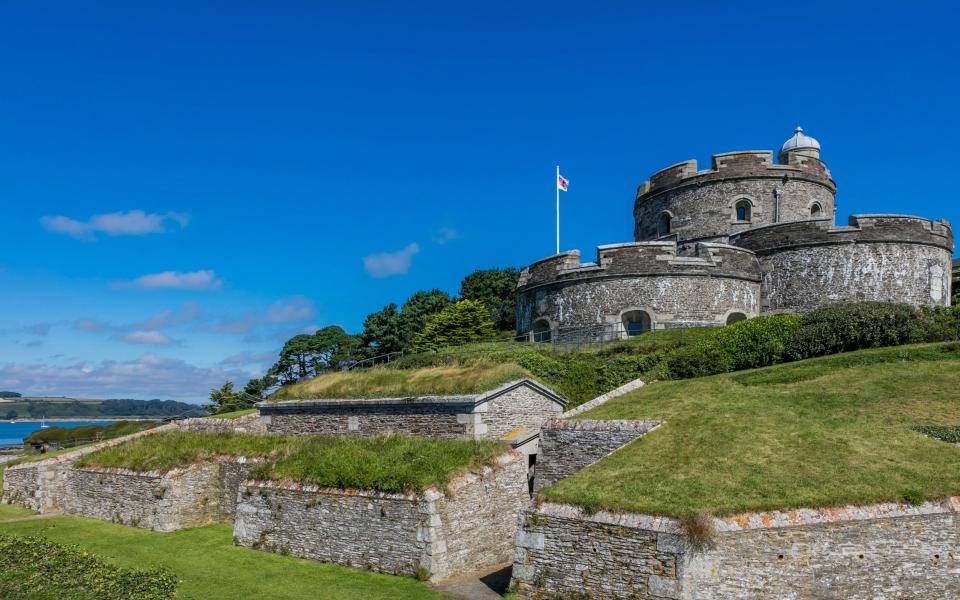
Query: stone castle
[[745, 237]]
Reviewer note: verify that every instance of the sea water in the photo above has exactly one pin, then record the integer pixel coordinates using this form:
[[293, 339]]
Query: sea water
[[12, 434]]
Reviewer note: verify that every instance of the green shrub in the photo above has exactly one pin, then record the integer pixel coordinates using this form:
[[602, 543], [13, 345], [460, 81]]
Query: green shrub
[[951, 435], [71, 435], [33, 567], [845, 327], [757, 342]]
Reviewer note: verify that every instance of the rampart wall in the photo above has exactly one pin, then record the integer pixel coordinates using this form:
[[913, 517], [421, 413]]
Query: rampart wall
[[439, 533], [887, 258], [855, 553], [676, 285], [702, 203]]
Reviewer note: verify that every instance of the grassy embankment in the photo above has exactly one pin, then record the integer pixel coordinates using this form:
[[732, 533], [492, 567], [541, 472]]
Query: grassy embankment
[[822, 432], [71, 435], [379, 382], [389, 463], [210, 567]]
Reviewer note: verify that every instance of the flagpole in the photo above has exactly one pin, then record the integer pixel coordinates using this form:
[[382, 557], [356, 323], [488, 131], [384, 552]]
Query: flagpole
[[557, 185]]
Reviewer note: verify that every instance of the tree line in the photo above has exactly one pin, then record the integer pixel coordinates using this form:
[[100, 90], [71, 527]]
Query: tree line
[[483, 308]]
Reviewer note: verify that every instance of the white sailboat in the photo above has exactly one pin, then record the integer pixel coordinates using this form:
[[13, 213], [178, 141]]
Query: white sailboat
[[43, 423]]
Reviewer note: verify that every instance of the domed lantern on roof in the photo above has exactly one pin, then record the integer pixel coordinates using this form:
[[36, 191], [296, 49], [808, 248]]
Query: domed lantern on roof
[[801, 144]]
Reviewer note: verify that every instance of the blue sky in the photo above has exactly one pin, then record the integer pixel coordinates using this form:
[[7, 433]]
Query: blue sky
[[184, 185]]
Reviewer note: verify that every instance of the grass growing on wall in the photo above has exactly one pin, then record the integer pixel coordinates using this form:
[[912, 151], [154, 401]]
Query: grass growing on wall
[[821, 432], [387, 463], [210, 567], [479, 376]]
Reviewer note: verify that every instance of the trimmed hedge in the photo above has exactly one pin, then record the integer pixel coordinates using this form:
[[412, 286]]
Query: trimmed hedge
[[36, 568]]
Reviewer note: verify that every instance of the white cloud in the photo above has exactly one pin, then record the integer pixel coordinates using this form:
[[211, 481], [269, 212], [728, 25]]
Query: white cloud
[[444, 235], [155, 338], [134, 222], [294, 309], [194, 280], [386, 264], [146, 377]]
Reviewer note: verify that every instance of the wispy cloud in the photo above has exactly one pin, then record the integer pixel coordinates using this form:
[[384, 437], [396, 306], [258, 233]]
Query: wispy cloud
[[387, 264], [294, 309], [175, 280], [250, 358], [149, 376], [91, 325], [444, 235], [134, 222], [36, 329], [153, 338], [188, 312]]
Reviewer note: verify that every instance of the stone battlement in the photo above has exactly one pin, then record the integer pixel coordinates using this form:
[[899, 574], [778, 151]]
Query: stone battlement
[[644, 259], [859, 229], [733, 165]]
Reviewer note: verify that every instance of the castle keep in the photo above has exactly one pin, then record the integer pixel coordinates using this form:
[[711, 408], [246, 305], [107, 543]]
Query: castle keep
[[745, 237]]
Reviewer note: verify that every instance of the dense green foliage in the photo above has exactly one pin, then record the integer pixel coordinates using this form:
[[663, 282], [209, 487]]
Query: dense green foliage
[[35, 568], [379, 382], [460, 323], [388, 463], [948, 434], [306, 355], [37, 408], [827, 431], [496, 289], [227, 400], [210, 567], [844, 327], [64, 436], [10, 395]]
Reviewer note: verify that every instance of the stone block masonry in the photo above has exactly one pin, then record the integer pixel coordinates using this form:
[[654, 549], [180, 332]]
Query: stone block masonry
[[851, 553], [523, 404], [467, 527], [189, 497], [566, 446]]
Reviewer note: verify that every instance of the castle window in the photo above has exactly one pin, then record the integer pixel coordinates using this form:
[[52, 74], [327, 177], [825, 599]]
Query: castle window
[[735, 318], [541, 330], [663, 224], [815, 210], [742, 209], [636, 322]]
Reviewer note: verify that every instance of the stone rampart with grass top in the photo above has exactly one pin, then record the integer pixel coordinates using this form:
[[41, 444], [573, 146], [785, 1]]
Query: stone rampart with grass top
[[891, 550]]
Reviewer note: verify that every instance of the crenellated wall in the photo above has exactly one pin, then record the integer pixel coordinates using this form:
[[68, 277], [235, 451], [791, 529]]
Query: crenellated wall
[[887, 258], [702, 203], [676, 285]]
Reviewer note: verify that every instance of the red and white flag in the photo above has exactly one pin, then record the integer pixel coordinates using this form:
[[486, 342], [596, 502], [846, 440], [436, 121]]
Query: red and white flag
[[562, 182]]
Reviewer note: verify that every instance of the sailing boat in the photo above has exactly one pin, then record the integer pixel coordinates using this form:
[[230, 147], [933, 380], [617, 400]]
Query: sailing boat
[[43, 423]]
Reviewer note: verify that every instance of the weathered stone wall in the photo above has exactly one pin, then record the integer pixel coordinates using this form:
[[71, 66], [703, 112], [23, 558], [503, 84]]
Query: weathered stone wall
[[677, 286], [441, 534], [847, 553], [518, 408], [368, 417], [875, 258], [566, 446], [702, 203], [186, 497], [517, 405]]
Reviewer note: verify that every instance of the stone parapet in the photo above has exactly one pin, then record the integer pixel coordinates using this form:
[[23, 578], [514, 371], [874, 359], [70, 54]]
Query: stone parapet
[[889, 550]]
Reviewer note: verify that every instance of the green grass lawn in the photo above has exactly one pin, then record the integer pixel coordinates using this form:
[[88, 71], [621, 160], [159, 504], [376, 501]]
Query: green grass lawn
[[12, 511], [379, 382], [388, 463], [822, 432], [210, 567]]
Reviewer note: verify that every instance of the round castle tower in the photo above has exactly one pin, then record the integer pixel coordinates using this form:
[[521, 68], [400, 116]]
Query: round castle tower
[[743, 238], [741, 190]]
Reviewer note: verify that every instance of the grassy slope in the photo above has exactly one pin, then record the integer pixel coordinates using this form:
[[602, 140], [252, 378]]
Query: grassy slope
[[12, 511], [387, 383], [821, 432], [395, 463], [210, 567], [236, 414]]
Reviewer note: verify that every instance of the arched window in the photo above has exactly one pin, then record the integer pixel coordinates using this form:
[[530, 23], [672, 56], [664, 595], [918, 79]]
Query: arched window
[[742, 210], [541, 330], [663, 224], [636, 322], [816, 210], [735, 317]]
